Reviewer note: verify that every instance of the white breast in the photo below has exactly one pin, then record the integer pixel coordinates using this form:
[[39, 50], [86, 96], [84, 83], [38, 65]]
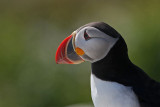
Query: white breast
[[112, 94]]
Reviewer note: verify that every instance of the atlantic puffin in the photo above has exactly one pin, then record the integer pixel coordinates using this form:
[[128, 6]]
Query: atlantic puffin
[[115, 80]]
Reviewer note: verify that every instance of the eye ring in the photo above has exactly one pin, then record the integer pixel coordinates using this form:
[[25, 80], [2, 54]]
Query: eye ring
[[86, 36]]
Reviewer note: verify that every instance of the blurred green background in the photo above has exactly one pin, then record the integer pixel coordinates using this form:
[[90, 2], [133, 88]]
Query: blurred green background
[[31, 30]]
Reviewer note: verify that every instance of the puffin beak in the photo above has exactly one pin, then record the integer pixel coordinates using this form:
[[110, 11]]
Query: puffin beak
[[65, 53]]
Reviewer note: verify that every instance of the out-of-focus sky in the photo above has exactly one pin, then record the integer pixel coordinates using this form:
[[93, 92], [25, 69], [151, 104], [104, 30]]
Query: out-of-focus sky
[[31, 30]]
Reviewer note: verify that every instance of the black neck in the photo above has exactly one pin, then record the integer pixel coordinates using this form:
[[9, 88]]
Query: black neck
[[115, 66]]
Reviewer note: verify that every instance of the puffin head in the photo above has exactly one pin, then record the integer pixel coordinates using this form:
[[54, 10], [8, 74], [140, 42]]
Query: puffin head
[[91, 42]]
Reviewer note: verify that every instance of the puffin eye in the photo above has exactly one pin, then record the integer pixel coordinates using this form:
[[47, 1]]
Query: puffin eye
[[86, 36]]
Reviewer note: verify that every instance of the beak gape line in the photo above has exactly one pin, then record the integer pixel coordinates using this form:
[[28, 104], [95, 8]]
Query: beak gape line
[[66, 54]]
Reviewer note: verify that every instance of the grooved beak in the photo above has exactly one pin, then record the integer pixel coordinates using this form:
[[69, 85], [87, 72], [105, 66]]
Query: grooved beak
[[65, 53]]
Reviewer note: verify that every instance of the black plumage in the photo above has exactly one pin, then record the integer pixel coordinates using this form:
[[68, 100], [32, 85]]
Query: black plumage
[[117, 67]]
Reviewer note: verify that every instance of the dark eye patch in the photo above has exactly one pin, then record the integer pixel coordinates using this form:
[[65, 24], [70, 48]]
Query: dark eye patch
[[86, 36]]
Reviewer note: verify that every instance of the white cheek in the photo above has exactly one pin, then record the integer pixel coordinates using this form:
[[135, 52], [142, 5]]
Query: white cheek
[[96, 48], [80, 41]]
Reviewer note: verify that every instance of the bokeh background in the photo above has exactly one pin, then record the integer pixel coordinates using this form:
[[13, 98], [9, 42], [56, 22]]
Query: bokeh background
[[31, 30]]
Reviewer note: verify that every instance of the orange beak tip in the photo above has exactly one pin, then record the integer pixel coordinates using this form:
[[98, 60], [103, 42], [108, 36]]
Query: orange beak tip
[[66, 54], [61, 57]]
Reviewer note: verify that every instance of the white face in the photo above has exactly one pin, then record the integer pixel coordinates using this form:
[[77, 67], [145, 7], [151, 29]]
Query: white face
[[97, 46]]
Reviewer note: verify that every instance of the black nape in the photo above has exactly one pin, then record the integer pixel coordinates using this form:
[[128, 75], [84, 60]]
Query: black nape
[[115, 65]]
